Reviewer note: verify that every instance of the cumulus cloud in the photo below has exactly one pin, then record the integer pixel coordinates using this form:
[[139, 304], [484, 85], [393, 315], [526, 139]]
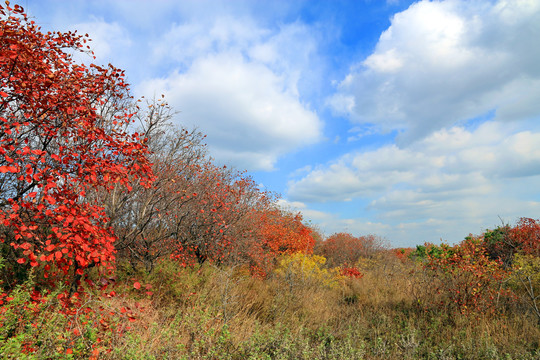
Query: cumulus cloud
[[443, 63], [238, 83], [459, 175], [249, 118], [433, 76], [447, 161]]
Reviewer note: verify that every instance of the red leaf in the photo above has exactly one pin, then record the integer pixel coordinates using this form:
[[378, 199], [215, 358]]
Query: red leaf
[[5, 169]]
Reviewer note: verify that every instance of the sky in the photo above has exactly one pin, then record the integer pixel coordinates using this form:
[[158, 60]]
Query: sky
[[418, 121]]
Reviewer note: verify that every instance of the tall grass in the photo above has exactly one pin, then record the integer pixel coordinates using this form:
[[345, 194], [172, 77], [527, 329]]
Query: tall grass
[[213, 312]]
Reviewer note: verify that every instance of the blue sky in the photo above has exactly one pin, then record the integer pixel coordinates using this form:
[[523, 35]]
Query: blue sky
[[416, 121]]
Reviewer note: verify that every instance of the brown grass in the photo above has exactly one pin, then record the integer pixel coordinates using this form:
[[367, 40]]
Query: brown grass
[[223, 313]]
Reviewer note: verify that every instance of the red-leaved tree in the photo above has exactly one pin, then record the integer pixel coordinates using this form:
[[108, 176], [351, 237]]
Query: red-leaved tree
[[526, 234], [276, 232], [55, 146], [345, 249]]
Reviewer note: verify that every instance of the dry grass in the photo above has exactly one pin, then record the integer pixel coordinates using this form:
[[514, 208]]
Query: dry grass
[[223, 313]]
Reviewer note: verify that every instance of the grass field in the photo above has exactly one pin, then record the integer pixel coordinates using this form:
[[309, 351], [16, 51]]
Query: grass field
[[214, 312]]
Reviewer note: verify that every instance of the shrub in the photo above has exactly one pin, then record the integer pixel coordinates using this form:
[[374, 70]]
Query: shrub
[[526, 280], [303, 270], [351, 272], [464, 278]]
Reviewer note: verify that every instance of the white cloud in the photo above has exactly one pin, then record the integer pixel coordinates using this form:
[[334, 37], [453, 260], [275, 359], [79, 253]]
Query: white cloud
[[239, 83], [442, 63], [466, 177], [108, 40], [240, 79], [434, 75], [448, 159], [186, 42], [248, 112], [387, 61], [309, 214]]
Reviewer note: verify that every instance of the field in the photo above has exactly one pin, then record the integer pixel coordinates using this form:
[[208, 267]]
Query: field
[[208, 312]]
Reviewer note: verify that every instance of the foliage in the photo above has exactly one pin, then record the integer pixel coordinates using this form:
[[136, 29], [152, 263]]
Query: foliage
[[55, 146], [464, 277], [38, 325], [276, 232], [345, 249], [403, 254], [526, 234], [196, 211], [500, 245], [506, 241], [429, 251], [351, 272], [300, 269], [146, 219], [526, 280]]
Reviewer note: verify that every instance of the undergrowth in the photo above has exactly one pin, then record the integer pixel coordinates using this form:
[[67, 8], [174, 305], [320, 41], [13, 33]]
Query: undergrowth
[[212, 312]]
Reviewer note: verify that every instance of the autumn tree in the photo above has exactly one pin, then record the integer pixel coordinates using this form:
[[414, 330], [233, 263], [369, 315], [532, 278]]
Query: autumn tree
[[208, 231], [146, 218], [55, 147], [505, 241], [526, 234], [277, 232], [224, 229], [346, 249], [194, 211], [525, 278]]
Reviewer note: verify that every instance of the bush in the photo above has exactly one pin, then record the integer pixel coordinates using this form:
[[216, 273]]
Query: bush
[[464, 278], [526, 281], [305, 270]]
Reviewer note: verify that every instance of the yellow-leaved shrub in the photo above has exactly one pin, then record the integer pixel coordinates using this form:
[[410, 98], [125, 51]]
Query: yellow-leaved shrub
[[307, 270], [526, 280]]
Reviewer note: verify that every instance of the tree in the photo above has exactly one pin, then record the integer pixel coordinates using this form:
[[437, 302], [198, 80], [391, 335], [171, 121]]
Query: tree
[[526, 262], [147, 219], [346, 249], [194, 211], [56, 147], [505, 242], [276, 232], [526, 234], [500, 245]]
